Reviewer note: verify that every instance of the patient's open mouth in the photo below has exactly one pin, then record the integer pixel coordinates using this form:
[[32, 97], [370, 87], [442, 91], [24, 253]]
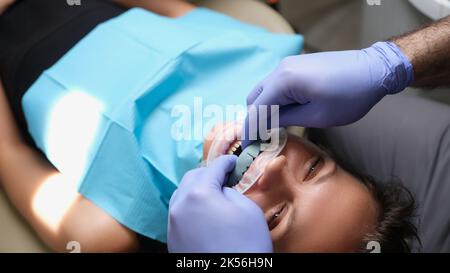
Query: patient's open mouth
[[235, 148], [223, 140], [251, 161]]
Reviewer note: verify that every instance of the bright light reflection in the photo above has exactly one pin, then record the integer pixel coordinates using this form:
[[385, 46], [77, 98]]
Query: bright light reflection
[[72, 127], [53, 199]]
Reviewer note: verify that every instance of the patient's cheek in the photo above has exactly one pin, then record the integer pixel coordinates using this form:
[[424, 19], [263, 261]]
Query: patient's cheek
[[209, 139], [206, 146]]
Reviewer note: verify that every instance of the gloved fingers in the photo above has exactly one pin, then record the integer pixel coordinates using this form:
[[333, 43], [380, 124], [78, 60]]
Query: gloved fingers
[[249, 136], [217, 172], [300, 115], [251, 97], [245, 140], [312, 114], [259, 119], [252, 122], [189, 179], [254, 94]]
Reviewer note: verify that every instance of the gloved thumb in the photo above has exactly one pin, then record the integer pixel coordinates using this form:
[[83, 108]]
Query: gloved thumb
[[242, 201], [218, 171], [254, 94], [256, 226]]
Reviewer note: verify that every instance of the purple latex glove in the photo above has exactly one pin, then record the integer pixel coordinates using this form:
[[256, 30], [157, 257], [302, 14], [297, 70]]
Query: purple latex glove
[[204, 216], [332, 88]]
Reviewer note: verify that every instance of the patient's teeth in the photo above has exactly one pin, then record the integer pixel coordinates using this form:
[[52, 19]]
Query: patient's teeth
[[233, 147]]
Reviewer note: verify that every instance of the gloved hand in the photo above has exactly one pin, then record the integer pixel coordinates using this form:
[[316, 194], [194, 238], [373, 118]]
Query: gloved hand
[[332, 88], [204, 216]]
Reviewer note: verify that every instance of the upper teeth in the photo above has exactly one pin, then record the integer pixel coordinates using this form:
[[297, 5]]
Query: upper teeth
[[233, 147]]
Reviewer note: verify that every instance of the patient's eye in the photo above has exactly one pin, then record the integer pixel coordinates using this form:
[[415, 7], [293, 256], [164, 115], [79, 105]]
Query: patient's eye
[[314, 168]]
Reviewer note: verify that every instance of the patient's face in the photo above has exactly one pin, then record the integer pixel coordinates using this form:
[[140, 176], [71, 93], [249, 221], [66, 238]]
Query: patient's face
[[310, 203]]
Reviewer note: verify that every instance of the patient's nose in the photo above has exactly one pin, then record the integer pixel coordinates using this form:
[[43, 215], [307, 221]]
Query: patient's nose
[[274, 177]]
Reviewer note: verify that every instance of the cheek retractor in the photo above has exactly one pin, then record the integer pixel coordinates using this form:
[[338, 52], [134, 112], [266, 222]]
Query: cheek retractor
[[252, 161], [243, 162]]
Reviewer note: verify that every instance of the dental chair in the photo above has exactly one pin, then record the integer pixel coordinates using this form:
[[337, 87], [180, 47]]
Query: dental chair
[[17, 236]]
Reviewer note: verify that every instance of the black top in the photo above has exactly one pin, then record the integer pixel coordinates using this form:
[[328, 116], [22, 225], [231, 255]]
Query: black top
[[36, 34]]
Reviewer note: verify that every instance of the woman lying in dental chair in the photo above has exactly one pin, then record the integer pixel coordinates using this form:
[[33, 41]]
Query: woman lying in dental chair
[[94, 88]]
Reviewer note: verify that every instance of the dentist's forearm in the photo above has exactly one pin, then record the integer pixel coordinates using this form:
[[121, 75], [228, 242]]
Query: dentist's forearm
[[428, 49]]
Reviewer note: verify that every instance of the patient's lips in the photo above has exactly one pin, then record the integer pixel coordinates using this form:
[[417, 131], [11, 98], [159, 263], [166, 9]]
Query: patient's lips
[[224, 139]]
